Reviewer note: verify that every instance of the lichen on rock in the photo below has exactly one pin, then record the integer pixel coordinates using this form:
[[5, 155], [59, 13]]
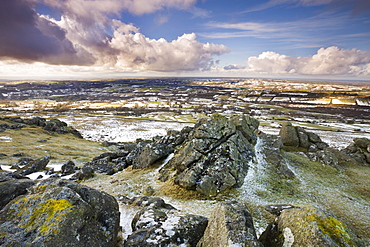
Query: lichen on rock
[[308, 226], [60, 211]]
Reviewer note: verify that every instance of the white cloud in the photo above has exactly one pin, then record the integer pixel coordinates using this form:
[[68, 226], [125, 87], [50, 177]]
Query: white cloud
[[92, 11], [88, 35], [327, 61], [185, 53], [315, 28]]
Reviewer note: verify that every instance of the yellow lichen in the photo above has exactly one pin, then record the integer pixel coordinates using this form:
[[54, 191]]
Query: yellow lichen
[[47, 214], [332, 228], [335, 230]]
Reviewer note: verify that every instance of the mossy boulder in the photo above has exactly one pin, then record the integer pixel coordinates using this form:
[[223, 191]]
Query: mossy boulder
[[60, 212], [230, 224], [308, 226]]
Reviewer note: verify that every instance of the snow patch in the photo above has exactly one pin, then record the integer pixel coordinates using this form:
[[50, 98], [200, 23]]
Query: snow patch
[[288, 237]]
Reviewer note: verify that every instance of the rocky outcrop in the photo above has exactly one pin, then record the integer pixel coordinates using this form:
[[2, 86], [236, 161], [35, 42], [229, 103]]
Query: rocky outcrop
[[357, 153], [138, 155], [159, 224], [359, 150], [215, 155], [60, 127], [108, 163], [296, 136], [230, 224], [54, 125], [60, 212], [307, 227]]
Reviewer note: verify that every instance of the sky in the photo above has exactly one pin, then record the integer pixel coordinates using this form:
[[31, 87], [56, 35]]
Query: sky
[[78, 39]]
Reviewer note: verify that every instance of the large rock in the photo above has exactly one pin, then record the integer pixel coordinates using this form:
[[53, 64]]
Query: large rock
[[101, 166], [215, 156], [86, 172], [269, 148], [69, 168], [60, 213], [151, 153], [13, 188], [289, 135], [308, 226], [362, 142], [296, 136], [38, 121], [158, 224], [230, 224], [35, 166]]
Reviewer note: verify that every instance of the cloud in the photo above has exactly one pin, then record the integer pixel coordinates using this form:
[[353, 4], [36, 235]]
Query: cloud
[[185, 53], [92, 11], [314, 25], [323, 29], [356, 6], [27, 36], [327, 61], [234, 67], [88, 35]]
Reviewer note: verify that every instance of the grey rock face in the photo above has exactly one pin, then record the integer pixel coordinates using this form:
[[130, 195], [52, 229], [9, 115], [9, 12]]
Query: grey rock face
[[362, 142], [215, 156], [101, 166], [270, 149], [151, 153], [6, 176], [56, 212], [12, 189], [108, 163], [230, 225]]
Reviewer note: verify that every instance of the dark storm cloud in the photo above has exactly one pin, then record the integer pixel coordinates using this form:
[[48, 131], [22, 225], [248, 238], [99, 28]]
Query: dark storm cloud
[[26, 36]]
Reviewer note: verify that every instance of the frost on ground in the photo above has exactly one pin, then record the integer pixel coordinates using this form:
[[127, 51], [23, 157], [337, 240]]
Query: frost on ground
[[113, 128]]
